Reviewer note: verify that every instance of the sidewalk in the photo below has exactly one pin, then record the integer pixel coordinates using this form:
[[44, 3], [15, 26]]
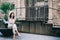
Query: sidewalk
[[26, 36]]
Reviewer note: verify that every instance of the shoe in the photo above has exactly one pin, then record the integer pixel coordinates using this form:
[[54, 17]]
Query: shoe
[[19, 34]]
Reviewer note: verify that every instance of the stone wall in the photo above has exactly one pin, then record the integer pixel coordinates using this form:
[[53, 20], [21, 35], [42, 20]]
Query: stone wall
[[54, 14]]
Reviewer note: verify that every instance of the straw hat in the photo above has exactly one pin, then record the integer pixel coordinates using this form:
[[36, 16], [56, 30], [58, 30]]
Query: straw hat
[[11, 12]]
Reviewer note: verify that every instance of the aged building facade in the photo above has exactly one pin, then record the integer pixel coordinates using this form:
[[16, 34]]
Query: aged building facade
[[24, 11], [54, 14], [36, 16], [30, 9]]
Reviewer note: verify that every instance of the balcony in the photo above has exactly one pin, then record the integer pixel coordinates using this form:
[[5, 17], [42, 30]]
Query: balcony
[[34, 13]]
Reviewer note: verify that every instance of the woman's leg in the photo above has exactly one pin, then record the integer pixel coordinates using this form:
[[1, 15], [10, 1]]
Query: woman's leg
[[13, 36], [16, 30], [13, 33], [18, 33]]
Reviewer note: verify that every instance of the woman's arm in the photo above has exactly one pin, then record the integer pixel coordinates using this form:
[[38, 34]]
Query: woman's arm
[[5, 21]]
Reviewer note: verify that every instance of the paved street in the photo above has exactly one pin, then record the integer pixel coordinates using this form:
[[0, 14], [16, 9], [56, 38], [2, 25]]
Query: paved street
[[26, 36]]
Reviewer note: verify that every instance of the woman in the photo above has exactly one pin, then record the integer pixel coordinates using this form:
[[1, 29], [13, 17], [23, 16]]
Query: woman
[[11, 24]]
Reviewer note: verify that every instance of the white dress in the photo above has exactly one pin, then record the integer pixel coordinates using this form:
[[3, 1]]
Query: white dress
[[11, 24]]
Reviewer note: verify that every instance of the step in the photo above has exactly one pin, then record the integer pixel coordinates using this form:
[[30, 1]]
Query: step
[[56, 26]]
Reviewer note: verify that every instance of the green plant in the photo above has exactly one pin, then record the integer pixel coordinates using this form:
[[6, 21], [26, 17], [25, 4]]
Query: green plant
[[16, 20], [5, 17], [6, 7]]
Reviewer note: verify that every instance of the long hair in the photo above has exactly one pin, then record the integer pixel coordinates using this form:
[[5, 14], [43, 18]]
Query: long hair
[[11, 15]]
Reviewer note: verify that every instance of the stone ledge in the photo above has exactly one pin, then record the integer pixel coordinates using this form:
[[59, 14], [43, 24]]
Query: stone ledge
[[6, 31]]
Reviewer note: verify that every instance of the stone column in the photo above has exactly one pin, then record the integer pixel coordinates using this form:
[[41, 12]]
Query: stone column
[[55, 13], [22, 10], [50, 11]]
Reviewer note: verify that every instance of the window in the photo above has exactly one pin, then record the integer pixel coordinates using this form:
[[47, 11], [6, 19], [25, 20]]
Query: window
[[38, 10], [20, 9]]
